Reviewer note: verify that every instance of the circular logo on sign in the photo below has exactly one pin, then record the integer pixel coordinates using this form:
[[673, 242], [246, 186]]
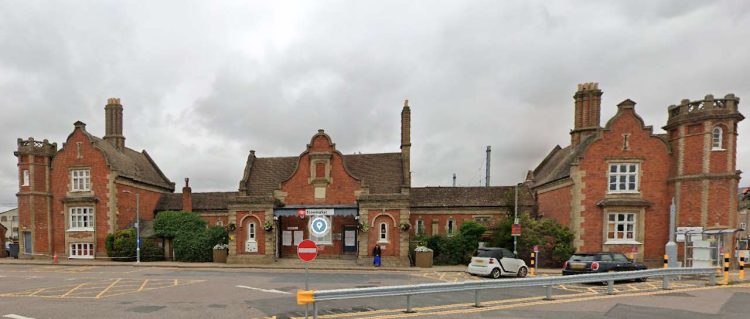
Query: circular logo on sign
[[319, 226]]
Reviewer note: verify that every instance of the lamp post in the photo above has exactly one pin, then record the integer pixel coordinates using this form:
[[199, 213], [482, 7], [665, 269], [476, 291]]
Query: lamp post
[[515, 220], [137, 225]]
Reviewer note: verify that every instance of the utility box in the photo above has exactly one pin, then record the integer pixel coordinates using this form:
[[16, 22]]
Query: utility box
[[423, 257]]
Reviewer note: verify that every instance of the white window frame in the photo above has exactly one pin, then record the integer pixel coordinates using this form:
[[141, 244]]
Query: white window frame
[[717, 139], [82, 251], [80, 180], [81, 219], [420, 227], [383, 233], [450, 227], [623, 230], [25, 179], [252, 232], [630, 177]]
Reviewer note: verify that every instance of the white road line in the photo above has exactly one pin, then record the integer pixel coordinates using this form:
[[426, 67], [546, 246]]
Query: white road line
[[12, 316], [264, 290]]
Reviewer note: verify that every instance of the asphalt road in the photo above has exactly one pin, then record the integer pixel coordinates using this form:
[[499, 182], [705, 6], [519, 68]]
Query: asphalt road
[[146, 292]]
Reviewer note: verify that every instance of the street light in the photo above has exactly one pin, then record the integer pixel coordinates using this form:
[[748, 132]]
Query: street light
[[137, 225], [515, 220]]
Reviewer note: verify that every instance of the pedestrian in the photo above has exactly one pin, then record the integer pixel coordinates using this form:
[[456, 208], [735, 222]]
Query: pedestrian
[[376, 252]]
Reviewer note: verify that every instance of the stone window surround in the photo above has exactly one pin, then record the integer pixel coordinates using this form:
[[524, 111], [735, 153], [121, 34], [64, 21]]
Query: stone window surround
[[82, 251], [717, 140], [383, 233], [627, 161], [450, 226], [639, 225], [420, 227], [25, 178]]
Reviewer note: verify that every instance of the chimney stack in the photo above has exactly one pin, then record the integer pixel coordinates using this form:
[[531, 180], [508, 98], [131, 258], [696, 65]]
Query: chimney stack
[[113, 123], [406, 143], [487, 178], [187, 197], [588, 100]]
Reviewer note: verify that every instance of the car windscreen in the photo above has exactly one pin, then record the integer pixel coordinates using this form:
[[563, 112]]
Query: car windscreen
[[583, 258], [487, 253]]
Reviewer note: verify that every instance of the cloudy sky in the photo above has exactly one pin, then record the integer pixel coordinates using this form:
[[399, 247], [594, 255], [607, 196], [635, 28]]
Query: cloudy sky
[[204, 82]]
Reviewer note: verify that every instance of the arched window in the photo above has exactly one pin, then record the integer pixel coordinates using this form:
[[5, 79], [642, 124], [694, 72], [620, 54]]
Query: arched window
[[383, 233], [251, 232], [716, 138]]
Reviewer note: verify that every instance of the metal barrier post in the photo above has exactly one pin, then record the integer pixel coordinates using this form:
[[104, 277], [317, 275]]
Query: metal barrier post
[[742, 266], [408, 304], [476, 298], [549, 293], [610, 287], [665, 283], [315, 310], [712, 279], [726, 268], [532, 270]]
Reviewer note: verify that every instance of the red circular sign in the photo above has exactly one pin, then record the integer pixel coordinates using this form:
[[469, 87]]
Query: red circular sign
[[301, 213], [307, 250]]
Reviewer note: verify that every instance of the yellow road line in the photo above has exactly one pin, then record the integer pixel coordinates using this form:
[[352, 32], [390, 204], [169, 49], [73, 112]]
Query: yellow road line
[[550, 302], [108, 288], [72, 290], [36, 292], [143, 285]]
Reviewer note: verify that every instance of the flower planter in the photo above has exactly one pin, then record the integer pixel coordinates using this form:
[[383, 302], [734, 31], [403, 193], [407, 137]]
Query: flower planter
[[220, 255]]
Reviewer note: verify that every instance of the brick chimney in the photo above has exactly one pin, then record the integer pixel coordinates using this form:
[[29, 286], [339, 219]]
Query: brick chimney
[[187, 197], [588, 100], [406, 143], [113, 123]]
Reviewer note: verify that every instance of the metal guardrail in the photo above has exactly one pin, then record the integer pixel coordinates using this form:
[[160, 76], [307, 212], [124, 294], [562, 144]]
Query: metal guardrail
[[476, 286]]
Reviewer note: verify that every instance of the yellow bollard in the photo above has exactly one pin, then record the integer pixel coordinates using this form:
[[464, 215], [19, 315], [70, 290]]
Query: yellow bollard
[[726, 268], [666, 261], [742, 266], [532, 269]]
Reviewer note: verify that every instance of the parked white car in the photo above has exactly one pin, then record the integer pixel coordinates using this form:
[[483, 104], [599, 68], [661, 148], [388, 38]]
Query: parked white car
[[496, 262]]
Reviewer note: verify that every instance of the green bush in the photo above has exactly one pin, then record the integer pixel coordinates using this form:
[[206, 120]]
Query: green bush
[[457, 249], [198, 246], [218, 235], [121, 245], [555, 240], [170, 224]]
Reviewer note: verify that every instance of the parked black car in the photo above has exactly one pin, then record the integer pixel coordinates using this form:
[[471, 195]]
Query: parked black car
[[588, 263]]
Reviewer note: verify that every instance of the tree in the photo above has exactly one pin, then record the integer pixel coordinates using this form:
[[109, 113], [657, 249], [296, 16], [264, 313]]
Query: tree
[[192, 240], [555, 240], [171, 223]]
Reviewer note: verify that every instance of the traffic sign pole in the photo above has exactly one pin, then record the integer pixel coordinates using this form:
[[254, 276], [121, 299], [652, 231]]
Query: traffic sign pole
[[307, 306], [307, 250]]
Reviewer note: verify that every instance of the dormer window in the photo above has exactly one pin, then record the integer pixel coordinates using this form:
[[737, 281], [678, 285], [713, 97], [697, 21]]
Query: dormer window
[[717, 137], [80, 180]]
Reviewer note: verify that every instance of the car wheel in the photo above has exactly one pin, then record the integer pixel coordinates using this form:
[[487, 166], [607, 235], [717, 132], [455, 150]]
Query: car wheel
[[522, 272], [495, 273]]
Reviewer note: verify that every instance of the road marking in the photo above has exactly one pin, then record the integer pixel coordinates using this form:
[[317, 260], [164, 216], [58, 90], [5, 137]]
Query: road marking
[[264, 290], [72, 290], [143, 285], [13, 316], [108, 288]]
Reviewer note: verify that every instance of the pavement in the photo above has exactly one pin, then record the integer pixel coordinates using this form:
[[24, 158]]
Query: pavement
[[284, 263]]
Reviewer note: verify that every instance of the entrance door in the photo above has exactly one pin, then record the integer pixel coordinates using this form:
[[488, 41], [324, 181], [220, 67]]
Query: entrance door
[[27, 243], [350, 239]]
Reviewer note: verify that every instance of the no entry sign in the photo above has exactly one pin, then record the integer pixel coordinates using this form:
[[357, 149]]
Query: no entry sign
[[307, 250], [301, 213]]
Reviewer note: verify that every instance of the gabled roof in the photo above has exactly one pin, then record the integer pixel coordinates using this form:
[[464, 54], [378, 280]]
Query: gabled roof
[[458, 197], [131, 164], [382, 173], [556, 165], [208, 201]]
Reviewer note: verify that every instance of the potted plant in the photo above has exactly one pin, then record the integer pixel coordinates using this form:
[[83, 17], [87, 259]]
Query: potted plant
[[220, 253], [404, 226], [268, 225], [363, 227], [232, 227]]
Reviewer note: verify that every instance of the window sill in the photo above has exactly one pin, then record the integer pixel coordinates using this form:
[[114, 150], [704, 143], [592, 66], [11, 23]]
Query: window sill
[[383, 242], [718, 149], [622, 242], [88, 229], [81, 257]]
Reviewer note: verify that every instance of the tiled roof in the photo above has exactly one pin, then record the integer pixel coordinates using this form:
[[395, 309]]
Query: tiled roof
[[557, 164], [201, 201], [133, 165], [382, 173], [469, 196]]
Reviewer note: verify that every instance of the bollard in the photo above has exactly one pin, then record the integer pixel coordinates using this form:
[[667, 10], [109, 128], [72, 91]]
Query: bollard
[[532, 269], [610, 287], [726, 268], [549, 293], [742, 266], [476, 298], [666, 261], [408, 304], [665, 283]]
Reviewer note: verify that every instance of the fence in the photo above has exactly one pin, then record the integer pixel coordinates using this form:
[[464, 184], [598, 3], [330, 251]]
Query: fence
[[314, 297]]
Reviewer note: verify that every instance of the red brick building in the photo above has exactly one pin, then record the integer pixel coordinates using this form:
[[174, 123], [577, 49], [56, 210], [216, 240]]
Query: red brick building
[[70, 199], [362, 200], [613, 185]]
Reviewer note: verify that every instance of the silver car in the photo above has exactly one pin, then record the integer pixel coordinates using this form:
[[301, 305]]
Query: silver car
[[496, 262]]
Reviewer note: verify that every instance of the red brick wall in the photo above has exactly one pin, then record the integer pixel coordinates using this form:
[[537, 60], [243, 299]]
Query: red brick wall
[[301, 192], [718, 202], [337, 247], [390, 218], [690, 203], [555, 204], [244, 219], [212, 219], [654, 172], [694, 141]]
